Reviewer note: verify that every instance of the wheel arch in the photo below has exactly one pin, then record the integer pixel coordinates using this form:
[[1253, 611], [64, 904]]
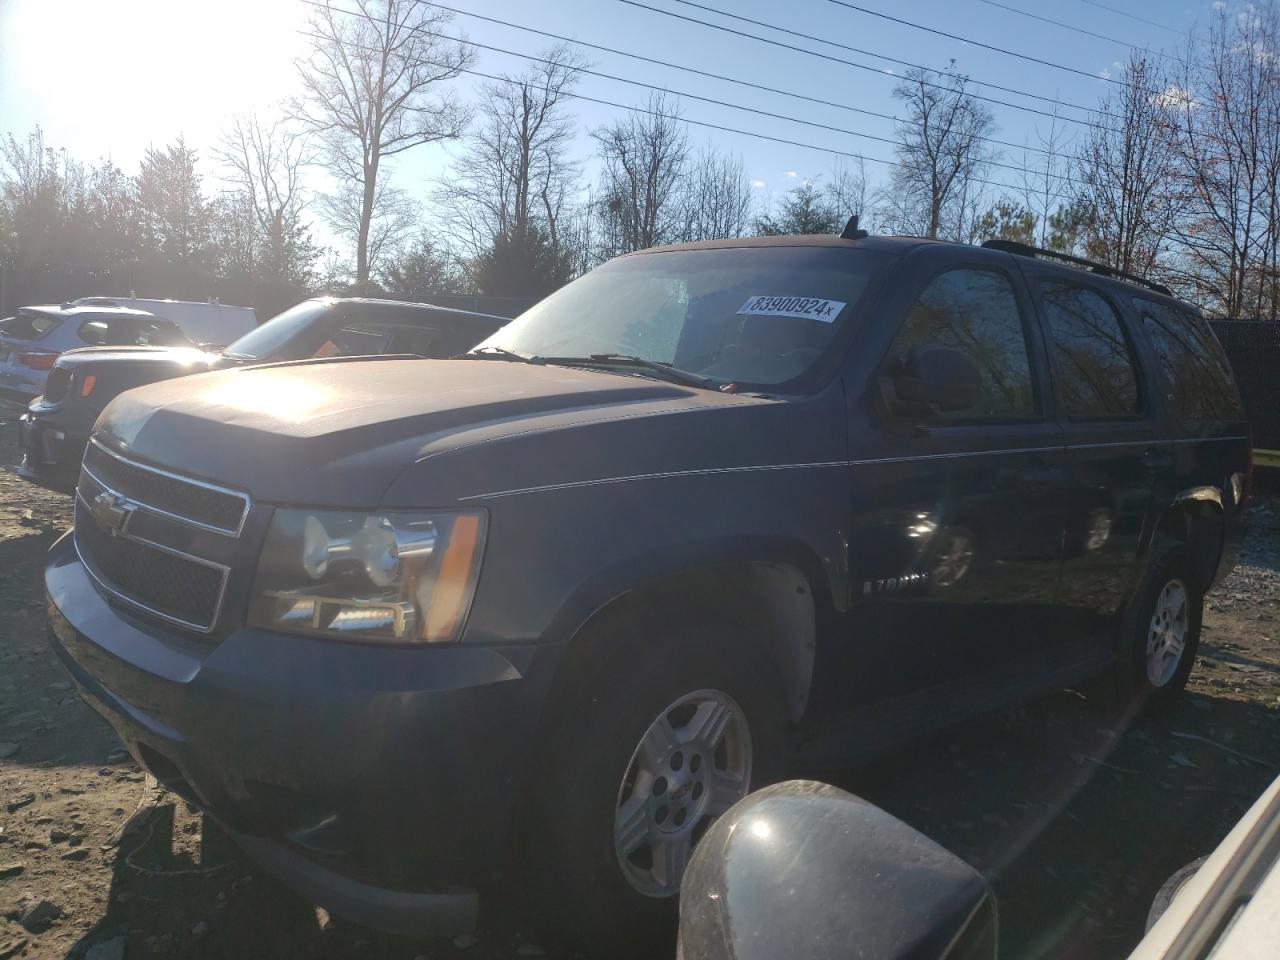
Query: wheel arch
[[777, 591], [1196, 519]]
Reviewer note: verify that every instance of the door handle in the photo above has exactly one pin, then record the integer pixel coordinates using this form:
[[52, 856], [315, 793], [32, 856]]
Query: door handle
[[1152, 462]]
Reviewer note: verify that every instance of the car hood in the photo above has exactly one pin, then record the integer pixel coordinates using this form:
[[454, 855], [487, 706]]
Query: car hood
[[197, 360], [340, 432]]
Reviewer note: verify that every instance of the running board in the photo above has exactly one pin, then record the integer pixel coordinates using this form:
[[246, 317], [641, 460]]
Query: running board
[[890, 723]]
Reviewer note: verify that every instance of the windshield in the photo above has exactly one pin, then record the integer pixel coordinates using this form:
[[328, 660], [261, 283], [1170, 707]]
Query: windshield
[[277, 333], [744, 315]]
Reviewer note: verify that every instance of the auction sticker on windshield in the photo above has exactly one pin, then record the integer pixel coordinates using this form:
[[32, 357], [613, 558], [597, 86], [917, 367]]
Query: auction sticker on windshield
[[806, 308]]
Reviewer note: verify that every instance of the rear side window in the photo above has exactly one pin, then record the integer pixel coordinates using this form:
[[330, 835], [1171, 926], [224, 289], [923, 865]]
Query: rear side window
[[96, 332], [1195, 369], [976, 311], [356, 340], [160, 333], [131, 332], [1093, 358], [27, 326], [420, 341]]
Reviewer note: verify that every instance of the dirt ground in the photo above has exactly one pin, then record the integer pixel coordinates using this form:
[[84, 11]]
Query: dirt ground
[[1077, 816]]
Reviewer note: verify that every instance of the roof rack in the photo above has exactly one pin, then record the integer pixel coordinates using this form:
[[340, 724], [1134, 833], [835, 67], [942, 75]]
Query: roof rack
[[1093, 266]]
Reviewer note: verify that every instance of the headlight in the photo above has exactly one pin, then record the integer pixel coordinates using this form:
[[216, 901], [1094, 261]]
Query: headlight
[[383, 576]]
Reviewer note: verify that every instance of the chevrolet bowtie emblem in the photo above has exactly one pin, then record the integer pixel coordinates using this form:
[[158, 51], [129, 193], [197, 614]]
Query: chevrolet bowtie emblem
[[112, 511]]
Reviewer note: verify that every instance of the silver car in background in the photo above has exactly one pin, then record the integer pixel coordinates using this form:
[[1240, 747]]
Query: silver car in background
[[32, 340]]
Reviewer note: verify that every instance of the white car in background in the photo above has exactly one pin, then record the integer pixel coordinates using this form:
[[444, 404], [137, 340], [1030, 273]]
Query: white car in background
[[211, 324]]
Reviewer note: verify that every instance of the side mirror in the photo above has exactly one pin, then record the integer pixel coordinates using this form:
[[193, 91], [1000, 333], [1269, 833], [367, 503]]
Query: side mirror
[[932, 379], [802, 869]]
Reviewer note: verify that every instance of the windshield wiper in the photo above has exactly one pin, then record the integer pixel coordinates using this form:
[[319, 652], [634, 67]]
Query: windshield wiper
[[497, 353], [661, 371]]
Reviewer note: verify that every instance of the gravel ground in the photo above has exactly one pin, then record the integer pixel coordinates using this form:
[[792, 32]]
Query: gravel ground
[[1077, 816]]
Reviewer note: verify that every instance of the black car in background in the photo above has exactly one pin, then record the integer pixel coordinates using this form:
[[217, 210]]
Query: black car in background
[[707, 513], [82, 382]]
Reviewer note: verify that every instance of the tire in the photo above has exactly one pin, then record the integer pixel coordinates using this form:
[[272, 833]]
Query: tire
[[596, 768], [1162, 631]]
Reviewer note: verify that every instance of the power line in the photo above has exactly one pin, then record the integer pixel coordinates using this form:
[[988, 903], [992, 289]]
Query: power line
[[719, 76], [649, 112], [1133, 16], [730, 104], [1081, 30], [854, 63], [721, 103], [878, 56], [986, 46]]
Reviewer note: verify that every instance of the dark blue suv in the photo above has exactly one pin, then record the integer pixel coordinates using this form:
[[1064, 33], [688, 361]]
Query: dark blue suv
[[708, 513]]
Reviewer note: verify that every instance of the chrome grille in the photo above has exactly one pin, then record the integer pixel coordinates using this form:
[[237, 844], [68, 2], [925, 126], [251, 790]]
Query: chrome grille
[[159, 542], [193, 501], [177, 587]]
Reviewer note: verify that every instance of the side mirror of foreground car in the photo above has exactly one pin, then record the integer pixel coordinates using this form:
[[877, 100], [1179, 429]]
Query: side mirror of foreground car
[[932, 380], [802, 869]]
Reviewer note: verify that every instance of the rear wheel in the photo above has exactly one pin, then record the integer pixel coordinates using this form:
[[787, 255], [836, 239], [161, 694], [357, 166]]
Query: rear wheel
[[652, 743], [1163, 630]]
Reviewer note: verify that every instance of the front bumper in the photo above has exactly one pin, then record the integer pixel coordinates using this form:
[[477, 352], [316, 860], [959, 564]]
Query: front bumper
[[380, 782], [18, 396], [51, 453]]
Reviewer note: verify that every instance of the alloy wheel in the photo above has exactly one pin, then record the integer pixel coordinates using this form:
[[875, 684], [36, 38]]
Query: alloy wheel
[[693, 764], [1167, 634]]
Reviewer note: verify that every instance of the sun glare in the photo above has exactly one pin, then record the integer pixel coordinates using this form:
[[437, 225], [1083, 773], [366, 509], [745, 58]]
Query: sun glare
[[148, 70]]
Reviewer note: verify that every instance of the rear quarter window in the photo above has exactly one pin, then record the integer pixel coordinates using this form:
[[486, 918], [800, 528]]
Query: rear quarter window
[[1197, 376], [1093, 359]]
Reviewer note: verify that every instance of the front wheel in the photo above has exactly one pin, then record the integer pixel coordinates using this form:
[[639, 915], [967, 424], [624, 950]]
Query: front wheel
[[654, 742], [692, 764]]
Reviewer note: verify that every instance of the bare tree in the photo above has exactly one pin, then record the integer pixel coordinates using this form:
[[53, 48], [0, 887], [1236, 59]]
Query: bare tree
[[517, 172], [387, 219], [644, 158], [1229, 107], [1046, 181], [847, 190], [264, 164], [717, 197], [372, 89], [578, 232], [933, 190], [1126, 171]]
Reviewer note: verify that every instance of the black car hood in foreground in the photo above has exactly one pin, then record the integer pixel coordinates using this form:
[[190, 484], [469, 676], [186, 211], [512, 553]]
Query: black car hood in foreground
[[343, 433]]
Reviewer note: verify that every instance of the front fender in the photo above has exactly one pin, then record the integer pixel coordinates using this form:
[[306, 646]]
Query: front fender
[[555, 557], [668, 564]]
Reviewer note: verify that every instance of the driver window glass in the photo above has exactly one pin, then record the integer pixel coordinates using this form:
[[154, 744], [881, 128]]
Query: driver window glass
[[975, 311]]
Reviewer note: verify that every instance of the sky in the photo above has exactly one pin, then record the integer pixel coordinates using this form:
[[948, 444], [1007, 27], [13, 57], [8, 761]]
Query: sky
[[109, 78]]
